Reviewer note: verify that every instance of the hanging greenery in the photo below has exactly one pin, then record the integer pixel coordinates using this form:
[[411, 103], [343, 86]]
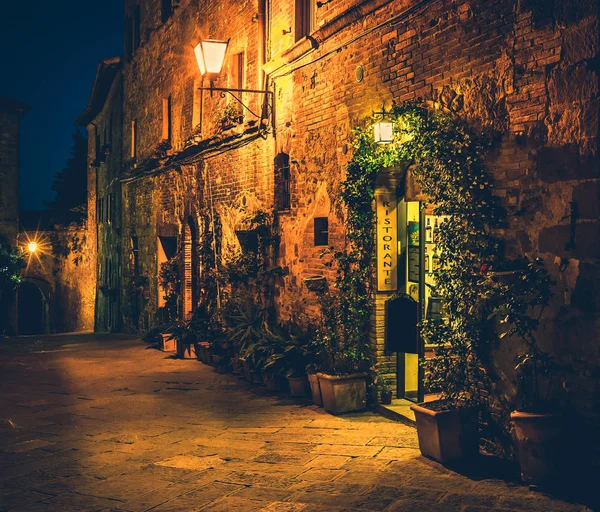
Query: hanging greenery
[[445, 159]]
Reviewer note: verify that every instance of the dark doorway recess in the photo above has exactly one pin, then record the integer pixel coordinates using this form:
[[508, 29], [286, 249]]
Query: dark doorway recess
[[33, 309]]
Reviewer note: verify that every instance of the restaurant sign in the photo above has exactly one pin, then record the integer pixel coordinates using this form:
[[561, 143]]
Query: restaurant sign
[[387, 242]]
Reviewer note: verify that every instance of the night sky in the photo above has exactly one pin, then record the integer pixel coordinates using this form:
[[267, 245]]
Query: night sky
[[49, 58]]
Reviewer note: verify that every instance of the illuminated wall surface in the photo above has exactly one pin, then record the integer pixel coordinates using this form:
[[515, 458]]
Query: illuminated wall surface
[[517, 70]]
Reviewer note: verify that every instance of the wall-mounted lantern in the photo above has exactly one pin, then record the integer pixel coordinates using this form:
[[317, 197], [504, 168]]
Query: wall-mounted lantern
[[210, 55], [383, 130], [32, 247]]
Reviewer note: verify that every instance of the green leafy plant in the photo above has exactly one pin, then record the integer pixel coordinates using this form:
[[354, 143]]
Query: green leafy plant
[[170, 282], [230, 116], [383, 384], [161, 150], [290, 351], [522, 296]]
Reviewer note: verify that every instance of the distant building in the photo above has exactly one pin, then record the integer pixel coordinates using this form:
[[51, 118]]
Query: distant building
[[11, 112], [103, 119]]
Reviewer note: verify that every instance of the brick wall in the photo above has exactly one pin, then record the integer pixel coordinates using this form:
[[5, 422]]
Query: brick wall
[[515, 67]]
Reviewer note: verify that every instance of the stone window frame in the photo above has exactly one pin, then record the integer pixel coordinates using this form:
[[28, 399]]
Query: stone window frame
[[304, 19]]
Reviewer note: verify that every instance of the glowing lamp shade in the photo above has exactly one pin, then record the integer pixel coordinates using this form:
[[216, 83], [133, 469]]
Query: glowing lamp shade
[[383, 132], [32, 247], [210, 55]]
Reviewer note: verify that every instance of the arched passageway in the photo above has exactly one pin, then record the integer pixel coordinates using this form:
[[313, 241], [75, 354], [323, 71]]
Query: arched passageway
[[33, 309]]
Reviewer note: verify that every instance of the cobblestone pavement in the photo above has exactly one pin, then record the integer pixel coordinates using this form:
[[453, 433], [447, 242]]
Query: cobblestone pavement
[[99, 422]]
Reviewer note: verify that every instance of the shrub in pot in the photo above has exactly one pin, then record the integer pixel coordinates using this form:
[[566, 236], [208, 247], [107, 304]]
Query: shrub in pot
[[539, 424], [340, 345], [385, 390], [287, 356], [448, 428]]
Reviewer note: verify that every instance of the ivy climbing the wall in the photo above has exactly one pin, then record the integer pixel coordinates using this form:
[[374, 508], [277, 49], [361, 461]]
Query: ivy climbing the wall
[[446, 161]]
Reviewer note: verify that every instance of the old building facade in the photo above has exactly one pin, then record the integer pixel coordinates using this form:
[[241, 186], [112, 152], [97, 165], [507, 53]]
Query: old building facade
[[103, 118], [526, 70], [11, 112]]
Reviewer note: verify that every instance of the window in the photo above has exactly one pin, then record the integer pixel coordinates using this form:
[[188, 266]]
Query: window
[[236, 80], [167, 129], [321, 231], [282, 182], [166, 10], [97, 143], [136, 30], [237, 71], [135, 255], [304, 18], [133, 138]]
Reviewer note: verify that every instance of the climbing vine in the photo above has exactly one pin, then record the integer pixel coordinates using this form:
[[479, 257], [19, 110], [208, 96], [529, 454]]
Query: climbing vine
[[446, 162]]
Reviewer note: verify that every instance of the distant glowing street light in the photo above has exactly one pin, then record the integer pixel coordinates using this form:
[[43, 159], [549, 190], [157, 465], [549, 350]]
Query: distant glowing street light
[[32, 247], [210, 55]]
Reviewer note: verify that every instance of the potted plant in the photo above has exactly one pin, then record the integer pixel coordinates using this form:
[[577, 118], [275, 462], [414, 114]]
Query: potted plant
[[185, 341], [539, 421], [385, 390], [344, 350]]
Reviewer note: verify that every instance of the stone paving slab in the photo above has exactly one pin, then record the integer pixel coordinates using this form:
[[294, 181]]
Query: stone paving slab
[[106, 423]]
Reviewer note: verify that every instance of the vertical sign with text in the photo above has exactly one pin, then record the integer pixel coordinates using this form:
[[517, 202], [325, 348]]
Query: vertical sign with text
[[387, 242]]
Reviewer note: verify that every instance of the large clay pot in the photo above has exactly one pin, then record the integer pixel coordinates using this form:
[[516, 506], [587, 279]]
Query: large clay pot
[[343, 393], [298, 385], [447, 435], [186, 350], [167, 343], [386, 398], [315, 389], [272, 382], [538, 437]]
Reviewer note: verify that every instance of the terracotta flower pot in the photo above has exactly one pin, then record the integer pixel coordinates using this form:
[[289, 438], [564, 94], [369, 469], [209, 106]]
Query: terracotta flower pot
[[235, 365], [315, 389], [246, 370], [538, 437], [298, 385], [203, 350], [167, 343], [343, 393], [447, 435], [186, 350], [272, 382], [386, 398]]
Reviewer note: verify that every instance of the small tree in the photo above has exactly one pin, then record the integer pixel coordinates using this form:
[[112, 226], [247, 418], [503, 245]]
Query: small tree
[[70, 185]]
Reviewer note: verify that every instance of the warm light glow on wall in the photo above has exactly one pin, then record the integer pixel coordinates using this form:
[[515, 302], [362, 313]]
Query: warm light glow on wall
[[383, 131], [210, 55]]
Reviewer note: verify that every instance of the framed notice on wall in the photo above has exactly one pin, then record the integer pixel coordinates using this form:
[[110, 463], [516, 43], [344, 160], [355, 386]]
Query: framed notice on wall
[[387, 242], [414, 263]]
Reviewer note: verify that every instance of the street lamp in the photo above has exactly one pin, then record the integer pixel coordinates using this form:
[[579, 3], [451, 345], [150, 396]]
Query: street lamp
[[383, 130], [210, 56], [32, 247]]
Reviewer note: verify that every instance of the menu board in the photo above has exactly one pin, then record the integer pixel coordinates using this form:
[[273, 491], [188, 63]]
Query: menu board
[[413, 264]]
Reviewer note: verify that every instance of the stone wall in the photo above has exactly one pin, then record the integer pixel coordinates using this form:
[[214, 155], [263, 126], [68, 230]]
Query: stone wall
[[106, 146], [64, 270]]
